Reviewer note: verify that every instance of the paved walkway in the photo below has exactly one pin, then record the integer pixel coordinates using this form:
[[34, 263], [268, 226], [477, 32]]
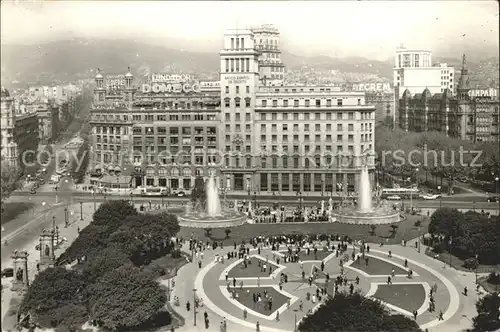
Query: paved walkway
[[458, 309]]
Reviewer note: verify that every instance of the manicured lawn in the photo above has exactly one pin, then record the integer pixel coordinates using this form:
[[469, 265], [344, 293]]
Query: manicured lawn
[[489, 287], [377, 267], [409, 297], [406, 230], [246, 298], [14, 209], [303, 256], [252, 269], [458, 263]]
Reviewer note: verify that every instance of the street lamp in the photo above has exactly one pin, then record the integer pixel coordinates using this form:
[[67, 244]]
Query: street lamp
[[440, 197], [44, 212], [477, 264], [255, 199], [418, 243], [497, 185], [57, 200], [81, 210], [93, 197], [194, 305], [65, 217], [295, 320]]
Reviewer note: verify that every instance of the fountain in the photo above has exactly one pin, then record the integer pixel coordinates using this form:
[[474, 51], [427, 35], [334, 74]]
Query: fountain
[[206, 211], [365, 213]]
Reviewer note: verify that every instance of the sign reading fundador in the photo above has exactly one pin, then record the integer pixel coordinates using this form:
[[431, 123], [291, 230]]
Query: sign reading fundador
[[164, 83]]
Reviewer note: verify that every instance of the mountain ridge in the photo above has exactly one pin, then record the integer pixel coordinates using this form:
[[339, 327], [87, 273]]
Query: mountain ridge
[[77, 58]]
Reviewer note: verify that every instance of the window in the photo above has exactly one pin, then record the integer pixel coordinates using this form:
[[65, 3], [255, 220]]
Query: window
[[350, 127], [339, 116], [228, 117], [238, 117], [263, 116], [339, 102], [227, 88], [318, 103], [264, 103], [263, 128], [247, 102], [295, 116], [285, 103], [285, 127], [285, 116], [247, 116], [275, 103], [350, 115], [227, 102], [339, 138], [339, 127], [247, 89], [306, 127], [307, 103], [306, 116], [296, 103], [237, 102], [328, 103], [237, 89], [317, 127]]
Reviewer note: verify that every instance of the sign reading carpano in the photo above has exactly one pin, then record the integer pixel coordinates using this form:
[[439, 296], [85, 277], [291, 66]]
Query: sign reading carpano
[[237, 79], [493, 93], [115, 81]]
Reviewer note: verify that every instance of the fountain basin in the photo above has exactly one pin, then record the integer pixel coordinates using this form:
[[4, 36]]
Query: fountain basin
[[374, 217], [225, 220]]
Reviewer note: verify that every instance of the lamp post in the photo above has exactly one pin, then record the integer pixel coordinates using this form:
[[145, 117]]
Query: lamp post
[[194, 305], [322, 187], [497, 185], [440, 197], [295, 320], [81, 210], [44, 212], [93, 197], [255, 199], [65, 217], [418, 239], [57, 199], [477, 264]]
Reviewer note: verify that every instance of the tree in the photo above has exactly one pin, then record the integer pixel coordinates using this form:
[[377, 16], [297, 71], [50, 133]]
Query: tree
[[227, 231], [100, 262], [199, 194], [355, 313], [10, 180], [91, 238], [113, 213], [446, 221], [372, 229], [208, 231], [488, 318], [123, 298], [55, 291]]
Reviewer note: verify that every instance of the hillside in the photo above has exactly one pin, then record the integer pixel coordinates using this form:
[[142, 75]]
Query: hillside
[[67, 60]]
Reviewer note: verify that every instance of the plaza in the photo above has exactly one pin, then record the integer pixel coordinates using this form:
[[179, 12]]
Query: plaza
[[293, 299]]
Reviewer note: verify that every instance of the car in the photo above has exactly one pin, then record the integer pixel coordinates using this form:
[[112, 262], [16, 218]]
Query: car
[[493, 199], [463, 179], [394, 198], [181, 194], [7, 272], [33, 191], [430, 196]]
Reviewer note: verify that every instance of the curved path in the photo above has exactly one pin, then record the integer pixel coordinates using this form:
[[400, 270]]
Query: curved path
[[211, 286]]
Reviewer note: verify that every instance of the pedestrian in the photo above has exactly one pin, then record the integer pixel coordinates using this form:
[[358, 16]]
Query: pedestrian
[[245, 313], [188, 306], [357, 280], [465, 290], [390, 254], [389, 281], [301, 305], [277, 315], [441, 315], [224, 323], [257, 327], [227, 276], [393, 273], [406, 263], [199, 264], [415, 313]]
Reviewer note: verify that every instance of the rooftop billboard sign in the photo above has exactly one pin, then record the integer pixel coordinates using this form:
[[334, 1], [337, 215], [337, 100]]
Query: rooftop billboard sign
[[170, 84]]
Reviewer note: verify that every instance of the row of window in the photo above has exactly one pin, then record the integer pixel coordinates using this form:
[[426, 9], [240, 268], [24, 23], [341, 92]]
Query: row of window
[[317, 138], [155, 117], [317, 116], [307, 103], [175, 130], [307, 127], [297, 149], [237, 65], [237, 89], [303, 183], [237, 102]]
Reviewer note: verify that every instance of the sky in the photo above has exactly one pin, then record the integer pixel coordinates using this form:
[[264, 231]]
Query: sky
[[336, 28]]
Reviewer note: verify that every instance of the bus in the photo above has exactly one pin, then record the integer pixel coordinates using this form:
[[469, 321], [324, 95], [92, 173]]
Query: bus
[[401, 192], [154, 192]]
